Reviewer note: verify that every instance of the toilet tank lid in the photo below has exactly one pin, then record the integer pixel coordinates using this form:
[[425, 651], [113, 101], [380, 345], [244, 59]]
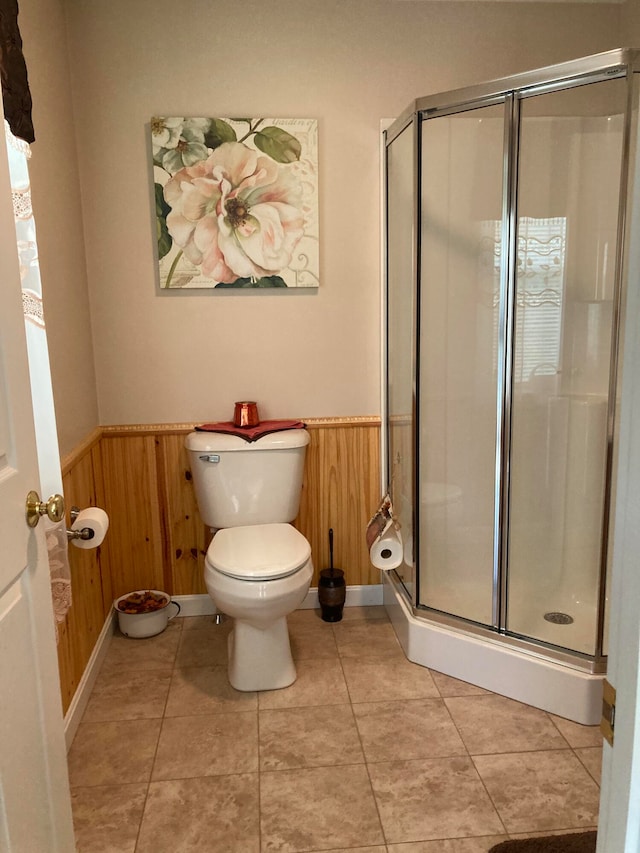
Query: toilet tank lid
[[259, 551], [208, 442]]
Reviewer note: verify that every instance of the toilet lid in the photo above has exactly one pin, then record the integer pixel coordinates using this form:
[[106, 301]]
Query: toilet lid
[[259, 551]]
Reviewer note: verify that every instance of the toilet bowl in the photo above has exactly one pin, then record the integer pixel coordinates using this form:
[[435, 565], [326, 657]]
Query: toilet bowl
[[258, 574]]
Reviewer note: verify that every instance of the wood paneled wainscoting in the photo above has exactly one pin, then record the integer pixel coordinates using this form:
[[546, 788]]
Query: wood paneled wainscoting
[[90, 584], [140, 475]]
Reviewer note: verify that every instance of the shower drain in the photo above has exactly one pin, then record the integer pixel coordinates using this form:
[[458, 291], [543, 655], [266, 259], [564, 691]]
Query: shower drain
[[558, 618]]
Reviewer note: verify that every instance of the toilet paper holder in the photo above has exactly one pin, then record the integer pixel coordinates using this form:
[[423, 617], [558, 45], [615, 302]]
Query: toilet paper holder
[[83, 533]]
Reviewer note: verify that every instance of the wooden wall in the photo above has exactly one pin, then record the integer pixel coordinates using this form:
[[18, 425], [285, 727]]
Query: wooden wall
[[140, 476], [341, 490], [90, 584]]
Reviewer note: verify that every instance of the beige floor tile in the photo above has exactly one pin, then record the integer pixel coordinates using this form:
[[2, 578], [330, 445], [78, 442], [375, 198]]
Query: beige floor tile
[[113, 753], [319, 682], [577, 735], [106, 820], [591, 757], [205, 690], [213, 814], [454, 845], [129, 695], [374, 638], [157, 652], [309, 747], [424, 728], [366, 613], [312, 640], [429, 799], [204, 647], [308, 617], [544, 834], [375, 849], [491, 724], [308, 737], [537, 791], [202, 623], [449, 686], [382, 679], [318, 808], [211, 745]]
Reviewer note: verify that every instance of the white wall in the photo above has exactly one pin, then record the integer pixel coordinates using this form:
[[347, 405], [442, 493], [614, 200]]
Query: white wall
[[630, 29], [176, 357], [56, 202], [179, 357]]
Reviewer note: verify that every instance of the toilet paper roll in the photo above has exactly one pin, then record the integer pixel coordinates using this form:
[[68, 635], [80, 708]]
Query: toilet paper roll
[[387, 552], [95, 519]]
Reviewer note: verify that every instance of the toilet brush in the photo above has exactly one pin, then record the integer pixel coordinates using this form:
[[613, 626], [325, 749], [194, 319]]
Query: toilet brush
[[331, 550]]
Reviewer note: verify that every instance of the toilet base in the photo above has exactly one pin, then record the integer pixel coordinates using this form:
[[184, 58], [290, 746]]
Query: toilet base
[[260, 658]]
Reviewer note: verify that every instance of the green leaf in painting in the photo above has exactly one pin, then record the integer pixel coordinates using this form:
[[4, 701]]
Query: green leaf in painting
[[270, 281], [267, 281], [164, 239], [278, 144], [218, 133], [162, 208], [239, 282]]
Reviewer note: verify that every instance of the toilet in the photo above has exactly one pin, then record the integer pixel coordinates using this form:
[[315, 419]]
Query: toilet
[[258, 567]]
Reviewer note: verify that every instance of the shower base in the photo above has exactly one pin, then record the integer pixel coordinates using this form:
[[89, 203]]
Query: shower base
[[556, 617], [526, 676]]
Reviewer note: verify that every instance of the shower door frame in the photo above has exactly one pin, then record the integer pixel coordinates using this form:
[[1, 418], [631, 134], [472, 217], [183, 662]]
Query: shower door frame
[[510, 92]]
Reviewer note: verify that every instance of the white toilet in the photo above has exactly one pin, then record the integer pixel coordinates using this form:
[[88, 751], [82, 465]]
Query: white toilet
[[258, 567]]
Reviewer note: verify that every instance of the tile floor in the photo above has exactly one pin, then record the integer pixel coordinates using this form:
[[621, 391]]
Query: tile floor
[[365, 752]]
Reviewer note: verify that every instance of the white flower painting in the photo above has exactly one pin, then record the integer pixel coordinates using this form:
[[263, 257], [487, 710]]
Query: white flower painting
[[236, 202]]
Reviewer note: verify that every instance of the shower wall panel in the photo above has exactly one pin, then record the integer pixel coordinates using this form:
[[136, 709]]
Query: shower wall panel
[[567, 206], [461, 206]]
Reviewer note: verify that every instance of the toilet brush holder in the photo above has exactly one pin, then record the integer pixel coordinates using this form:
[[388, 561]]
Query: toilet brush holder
[[332, 592]]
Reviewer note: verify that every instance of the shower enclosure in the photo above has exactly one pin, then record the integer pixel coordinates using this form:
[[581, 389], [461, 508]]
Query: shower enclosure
[[505, 212]]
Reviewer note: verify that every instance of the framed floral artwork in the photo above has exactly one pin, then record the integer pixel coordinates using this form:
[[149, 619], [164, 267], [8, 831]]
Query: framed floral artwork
[[236, 202]]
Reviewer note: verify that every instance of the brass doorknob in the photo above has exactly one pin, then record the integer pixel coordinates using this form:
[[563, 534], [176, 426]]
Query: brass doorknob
[[53, 508]]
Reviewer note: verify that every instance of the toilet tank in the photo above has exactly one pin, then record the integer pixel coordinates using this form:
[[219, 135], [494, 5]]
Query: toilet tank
[[238, 482]]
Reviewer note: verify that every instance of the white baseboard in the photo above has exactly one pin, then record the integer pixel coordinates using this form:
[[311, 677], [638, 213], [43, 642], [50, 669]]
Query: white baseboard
[[195, 605], [357, 596], [81, 697]]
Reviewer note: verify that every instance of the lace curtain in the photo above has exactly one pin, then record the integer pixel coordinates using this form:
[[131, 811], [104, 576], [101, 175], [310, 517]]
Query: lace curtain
[[41, 391]]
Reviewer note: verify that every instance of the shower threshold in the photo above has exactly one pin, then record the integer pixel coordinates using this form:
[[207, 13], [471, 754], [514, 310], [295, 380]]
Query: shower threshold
[[559, 687]]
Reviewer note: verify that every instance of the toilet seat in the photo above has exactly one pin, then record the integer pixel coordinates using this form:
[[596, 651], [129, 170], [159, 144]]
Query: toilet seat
[[258, 551]]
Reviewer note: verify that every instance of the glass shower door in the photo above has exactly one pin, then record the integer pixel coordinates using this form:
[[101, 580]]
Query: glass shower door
[[461, 208], [568, 193], [401, 367]]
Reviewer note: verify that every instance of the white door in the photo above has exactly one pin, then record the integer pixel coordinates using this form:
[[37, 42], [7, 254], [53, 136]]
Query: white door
[[619, 826], [35, 809]]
